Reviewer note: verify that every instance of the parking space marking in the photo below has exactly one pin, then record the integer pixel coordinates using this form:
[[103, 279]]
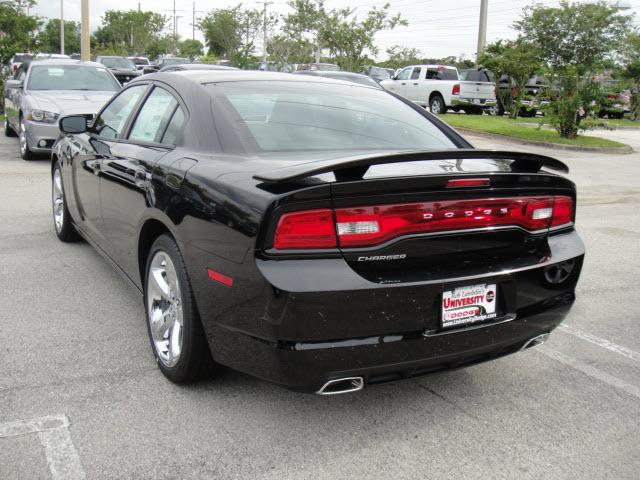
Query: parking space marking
[[62, 457], [601, 342], [591, 371]]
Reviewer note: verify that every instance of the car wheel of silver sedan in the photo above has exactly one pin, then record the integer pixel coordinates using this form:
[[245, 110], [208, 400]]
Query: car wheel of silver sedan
[[177, 338], [25, 152]]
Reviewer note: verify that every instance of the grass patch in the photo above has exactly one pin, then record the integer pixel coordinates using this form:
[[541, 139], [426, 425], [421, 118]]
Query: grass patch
[[614, 122], [510, 128]]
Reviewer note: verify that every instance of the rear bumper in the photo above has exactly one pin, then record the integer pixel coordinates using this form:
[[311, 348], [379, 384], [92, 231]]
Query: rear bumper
[[306, 367], [470, 102]]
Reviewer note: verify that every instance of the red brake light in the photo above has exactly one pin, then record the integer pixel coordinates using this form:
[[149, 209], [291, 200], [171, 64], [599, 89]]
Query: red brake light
[[372, 225], [307, 229], [456, 89], [468, 182], [562, 210]]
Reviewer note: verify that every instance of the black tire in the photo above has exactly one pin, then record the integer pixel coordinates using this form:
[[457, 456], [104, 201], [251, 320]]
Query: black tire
[[8, 131], [437, 105], [194, 361], [473, 111], [25, 151], [63, 224]]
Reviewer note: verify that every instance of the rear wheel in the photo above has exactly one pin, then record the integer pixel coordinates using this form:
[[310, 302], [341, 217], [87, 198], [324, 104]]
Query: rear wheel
[[25, 151], [8, 131], [473, 110], [436, 105], [61, 218], [177, 337]]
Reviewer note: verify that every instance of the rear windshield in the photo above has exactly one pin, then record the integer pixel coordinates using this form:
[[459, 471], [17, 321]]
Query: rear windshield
[[71, 77], [140, 61], [22, 57], [295, 116]]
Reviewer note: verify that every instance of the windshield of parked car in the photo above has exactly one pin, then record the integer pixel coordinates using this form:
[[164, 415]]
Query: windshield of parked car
[[174, 61], [140, 61], [22, 57], [71, 77], [296, 116], [116, 62]]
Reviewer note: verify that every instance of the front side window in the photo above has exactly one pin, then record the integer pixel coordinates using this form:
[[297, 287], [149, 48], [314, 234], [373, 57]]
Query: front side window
[[112, 120], [291, 116], [153, 116], [71, 77], [415, 75]]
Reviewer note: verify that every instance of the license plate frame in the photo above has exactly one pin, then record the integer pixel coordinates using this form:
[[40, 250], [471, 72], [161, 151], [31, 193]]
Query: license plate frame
[[467, 305]]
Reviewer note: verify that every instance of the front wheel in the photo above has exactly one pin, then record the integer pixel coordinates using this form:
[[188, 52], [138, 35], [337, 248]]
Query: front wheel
[[177, 337], [61, 219], [436, 105], [8, 131], [25, 151]]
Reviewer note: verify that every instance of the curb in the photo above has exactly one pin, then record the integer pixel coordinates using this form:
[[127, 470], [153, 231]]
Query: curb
[[539, 143]]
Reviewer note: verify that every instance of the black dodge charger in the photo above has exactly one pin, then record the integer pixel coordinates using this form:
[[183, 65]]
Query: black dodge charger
[[318, 234]]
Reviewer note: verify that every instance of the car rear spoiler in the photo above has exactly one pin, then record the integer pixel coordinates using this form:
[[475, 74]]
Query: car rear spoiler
[[354, 168]]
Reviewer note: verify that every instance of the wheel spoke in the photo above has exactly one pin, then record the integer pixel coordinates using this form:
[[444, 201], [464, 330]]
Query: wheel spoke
[[159, 282]]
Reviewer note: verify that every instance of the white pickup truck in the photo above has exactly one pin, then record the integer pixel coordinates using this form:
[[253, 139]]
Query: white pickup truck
[[439, 87]]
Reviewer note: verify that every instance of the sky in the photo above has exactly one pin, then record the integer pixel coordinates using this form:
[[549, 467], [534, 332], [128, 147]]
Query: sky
[[437, 28]]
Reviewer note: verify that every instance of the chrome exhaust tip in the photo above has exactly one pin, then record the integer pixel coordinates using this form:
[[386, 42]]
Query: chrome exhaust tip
[[342, 385], [535, 341]]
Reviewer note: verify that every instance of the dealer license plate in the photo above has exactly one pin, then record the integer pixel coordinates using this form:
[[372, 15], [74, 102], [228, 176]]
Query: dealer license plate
[[467, 305]]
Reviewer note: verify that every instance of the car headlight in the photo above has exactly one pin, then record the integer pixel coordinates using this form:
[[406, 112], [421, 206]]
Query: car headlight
[[42, 116]]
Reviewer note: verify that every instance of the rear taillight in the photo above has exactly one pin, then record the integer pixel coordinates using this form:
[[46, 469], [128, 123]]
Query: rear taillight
[[456, 89], [373, 225], [308, 229]]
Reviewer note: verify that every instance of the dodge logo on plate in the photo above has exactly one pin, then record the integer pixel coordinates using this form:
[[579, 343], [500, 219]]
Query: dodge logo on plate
[[490, 296]]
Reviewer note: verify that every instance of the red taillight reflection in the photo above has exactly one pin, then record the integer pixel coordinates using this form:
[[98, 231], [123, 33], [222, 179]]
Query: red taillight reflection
[[219, 277], [308, 229], [372, 225]]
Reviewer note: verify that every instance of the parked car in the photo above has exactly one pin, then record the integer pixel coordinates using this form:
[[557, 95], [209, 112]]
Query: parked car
[[160, 63], [195, 66], [379, 73], [439, 87], [613, 100], [17, 60], [315, 237], [48, 89], [332, 67], [346, 76], [123, 68], [52, 56], [537, 95], [140, 62]]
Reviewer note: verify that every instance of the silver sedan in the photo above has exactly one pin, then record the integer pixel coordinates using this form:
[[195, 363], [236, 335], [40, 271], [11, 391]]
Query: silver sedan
[[43, 91]]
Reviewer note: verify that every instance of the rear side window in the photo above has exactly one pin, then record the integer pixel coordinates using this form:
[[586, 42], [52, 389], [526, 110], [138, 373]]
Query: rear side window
[[112, 120], [442, 73], [173, 133], [154, 116]]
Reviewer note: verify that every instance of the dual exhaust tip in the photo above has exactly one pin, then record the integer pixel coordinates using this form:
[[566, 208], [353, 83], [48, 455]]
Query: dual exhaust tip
[[354, 384]]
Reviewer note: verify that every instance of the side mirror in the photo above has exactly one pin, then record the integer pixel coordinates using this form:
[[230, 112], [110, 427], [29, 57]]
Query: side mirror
[[73, 124], [14, 83]]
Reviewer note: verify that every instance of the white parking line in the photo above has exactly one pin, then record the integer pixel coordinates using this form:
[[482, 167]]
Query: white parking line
[[601, 342], [591, 371], [62, 456]]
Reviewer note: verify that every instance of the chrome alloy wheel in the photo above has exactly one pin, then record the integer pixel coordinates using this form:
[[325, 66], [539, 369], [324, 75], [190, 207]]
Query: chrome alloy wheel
[[58, 200], [23, 137], [164, 308]]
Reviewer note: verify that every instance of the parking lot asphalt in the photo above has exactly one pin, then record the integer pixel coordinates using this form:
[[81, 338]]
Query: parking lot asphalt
[[81, 397]]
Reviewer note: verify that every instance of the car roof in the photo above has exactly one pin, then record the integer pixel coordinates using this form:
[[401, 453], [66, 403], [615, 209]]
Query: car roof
[[110, 56], [201, 66], [65, 61]]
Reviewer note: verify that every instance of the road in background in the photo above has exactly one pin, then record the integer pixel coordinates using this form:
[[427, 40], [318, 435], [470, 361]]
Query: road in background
[[74, 347]]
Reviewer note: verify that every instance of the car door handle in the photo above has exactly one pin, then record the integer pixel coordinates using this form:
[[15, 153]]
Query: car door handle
[[415, 83], [403, 83]]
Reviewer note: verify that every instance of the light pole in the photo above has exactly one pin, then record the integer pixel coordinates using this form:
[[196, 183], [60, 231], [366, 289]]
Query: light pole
[[85, 46], [62, 27], [482, 27], [264, 29]]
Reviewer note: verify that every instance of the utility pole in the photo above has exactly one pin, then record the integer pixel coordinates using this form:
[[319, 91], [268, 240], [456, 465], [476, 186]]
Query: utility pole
[[85, 46], [193, 22], [264, 29], [482, 27], [62, 27]]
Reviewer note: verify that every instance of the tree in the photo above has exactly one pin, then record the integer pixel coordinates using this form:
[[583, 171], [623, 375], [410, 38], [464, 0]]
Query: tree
[[575, 40], [401, 56], [231, 33], [131, 30], [190, 48], [17, 29], [49, 36], [519, 60], [285, 50], [304, 24]]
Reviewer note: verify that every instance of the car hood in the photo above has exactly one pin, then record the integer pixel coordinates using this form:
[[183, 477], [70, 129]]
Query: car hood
[[69, 102]]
